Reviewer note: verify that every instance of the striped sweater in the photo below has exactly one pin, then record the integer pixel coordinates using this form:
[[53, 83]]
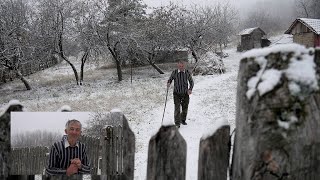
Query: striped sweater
[[181, 79], [61, 155]]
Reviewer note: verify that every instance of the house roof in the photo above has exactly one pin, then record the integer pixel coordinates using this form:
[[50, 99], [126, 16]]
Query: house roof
[[312, 24], [250, 30]]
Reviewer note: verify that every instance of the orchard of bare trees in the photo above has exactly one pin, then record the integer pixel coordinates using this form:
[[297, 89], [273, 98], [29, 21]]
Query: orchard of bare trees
[[35, 138], [38, 30]]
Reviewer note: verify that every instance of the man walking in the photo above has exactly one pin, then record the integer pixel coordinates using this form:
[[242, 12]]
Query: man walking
[[69, 156], [181, 92]]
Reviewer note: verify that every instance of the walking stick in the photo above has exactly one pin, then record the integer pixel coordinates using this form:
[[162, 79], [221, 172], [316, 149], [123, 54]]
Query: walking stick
[[165, 104]]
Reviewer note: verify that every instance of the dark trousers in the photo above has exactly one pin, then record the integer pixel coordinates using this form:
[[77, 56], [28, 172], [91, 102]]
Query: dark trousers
[[180, 100]]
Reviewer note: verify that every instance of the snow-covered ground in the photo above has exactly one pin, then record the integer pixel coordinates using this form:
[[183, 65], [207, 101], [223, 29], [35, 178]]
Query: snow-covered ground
[[213, 100]]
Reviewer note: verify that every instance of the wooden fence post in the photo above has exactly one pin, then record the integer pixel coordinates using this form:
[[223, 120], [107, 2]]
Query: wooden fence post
[[118, 149], [128, 150], [277, 134], [5, 137], [167, 155], [214, 155]]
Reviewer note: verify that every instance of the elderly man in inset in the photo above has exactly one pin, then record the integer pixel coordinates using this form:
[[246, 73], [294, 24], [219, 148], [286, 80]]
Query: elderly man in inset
[[69, 156]]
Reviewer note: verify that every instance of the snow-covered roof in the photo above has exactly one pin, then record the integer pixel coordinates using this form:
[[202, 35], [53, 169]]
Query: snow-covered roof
[[312, 24], [249, 31]]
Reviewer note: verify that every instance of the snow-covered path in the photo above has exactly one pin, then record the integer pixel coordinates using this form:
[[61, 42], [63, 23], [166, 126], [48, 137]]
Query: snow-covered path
[[212, 101]]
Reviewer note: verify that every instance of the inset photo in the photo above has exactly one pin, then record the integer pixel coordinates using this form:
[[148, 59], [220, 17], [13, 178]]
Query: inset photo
[[56, 143]]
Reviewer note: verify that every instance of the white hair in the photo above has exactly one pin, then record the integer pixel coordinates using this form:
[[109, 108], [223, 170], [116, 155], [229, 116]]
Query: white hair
[[71, 122]]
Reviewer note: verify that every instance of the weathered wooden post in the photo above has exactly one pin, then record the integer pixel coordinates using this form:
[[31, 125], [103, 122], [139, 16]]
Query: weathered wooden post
[[278, 115], [13, 105], [167, 155], [128, 150], [118, 149], [214, 155]]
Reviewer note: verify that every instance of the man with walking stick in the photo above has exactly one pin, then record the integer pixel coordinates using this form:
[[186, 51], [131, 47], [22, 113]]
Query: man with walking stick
[[181, 92]]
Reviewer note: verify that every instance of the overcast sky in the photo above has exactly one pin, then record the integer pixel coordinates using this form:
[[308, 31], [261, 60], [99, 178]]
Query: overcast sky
[[243, 6], [50, 121], [237, 3]]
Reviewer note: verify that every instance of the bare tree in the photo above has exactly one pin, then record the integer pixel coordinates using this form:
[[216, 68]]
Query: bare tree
[[303, 7], [202, 28], [117, 26], [155, 35], [14, 32], [85, 21], [72, 24], [308, 8], [96, 123], [266, 21]]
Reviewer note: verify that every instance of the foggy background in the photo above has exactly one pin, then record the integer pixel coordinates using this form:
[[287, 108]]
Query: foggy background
[[281, 12]]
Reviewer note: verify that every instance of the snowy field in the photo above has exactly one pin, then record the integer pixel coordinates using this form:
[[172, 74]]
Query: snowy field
[[213, 101]]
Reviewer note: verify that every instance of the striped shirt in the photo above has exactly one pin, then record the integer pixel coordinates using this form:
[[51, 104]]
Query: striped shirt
[[62, 153], [181, 79]]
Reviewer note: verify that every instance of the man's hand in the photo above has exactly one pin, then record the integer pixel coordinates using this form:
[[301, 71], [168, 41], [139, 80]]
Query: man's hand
[[189, 92], [72, 169], [76, 162]]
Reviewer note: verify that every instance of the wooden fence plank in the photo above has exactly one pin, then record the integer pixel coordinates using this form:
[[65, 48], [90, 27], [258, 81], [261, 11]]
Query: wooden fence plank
[[128, 150], [167, 155]]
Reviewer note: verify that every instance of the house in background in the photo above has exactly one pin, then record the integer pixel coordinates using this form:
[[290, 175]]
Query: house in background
[[252, 38], [305, 31]]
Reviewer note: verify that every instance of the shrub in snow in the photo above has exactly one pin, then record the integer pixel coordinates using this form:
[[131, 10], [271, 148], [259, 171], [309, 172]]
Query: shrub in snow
[[209, 64]]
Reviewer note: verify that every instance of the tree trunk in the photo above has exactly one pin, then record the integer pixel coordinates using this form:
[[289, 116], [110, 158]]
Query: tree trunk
[[23, 79], [194, 55], [73, 68], [155, 66], [116, 59], [119, 70], [83, 61], [277, 134], [61, 52]]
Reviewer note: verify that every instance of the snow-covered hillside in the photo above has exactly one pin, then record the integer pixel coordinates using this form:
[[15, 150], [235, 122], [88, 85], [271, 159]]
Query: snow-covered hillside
[[213, 100]]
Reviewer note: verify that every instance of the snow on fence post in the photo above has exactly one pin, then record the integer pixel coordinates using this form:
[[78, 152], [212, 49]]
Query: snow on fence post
[[118, 149], [167, 155], [278, 115], [214, 154], [5, 118]]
